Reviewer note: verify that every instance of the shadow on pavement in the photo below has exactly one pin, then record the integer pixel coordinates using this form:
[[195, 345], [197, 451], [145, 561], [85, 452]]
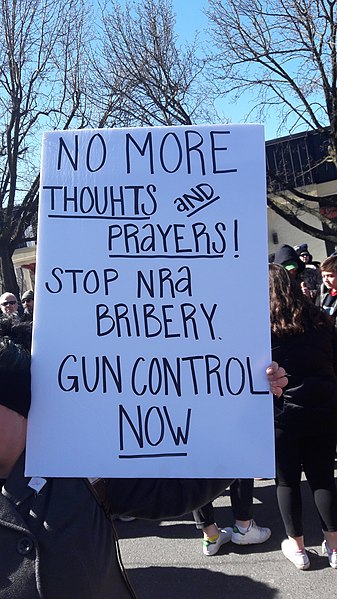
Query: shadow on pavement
[[189, 583]]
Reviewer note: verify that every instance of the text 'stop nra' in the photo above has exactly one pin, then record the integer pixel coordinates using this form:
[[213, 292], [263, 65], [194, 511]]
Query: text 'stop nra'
[[151, 330]]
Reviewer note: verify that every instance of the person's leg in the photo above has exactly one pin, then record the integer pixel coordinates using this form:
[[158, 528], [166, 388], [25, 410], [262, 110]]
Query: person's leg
[[245, 531], [241, 493], [205, 520], [288, 480], [213, 537], [318, 464]]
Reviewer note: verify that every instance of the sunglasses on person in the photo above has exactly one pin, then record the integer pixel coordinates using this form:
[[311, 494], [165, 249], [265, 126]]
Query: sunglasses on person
[[26, 301], [9, 303]]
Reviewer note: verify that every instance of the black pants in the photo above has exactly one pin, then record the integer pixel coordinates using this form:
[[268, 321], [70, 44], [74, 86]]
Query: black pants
[[241, 493], [314, 453]]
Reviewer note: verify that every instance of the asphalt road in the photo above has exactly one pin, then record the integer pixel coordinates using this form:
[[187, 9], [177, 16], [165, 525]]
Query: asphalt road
[[164, 560]]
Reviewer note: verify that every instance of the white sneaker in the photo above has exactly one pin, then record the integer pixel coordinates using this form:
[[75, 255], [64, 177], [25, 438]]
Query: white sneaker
[[298, 557], [212, 547], [253, 535], [331, 553]]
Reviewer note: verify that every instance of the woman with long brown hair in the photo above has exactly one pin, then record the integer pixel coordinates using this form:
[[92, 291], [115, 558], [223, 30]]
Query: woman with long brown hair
[[304, 342]]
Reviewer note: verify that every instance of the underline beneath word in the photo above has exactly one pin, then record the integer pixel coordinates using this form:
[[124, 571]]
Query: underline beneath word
[[203, 206], [152, 455], [182, 257], [85, 216]]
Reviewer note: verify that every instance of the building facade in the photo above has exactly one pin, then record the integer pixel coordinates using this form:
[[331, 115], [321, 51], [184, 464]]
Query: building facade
[[296, 161]]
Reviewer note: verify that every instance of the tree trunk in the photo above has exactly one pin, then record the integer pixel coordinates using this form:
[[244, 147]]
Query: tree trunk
[[7, 271]]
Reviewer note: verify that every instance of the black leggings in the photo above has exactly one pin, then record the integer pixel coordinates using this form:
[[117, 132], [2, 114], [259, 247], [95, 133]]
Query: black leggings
[[241, 492], [314, 453]]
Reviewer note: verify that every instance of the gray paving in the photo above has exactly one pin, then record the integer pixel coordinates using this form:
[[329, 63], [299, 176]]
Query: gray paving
[[164, 560]]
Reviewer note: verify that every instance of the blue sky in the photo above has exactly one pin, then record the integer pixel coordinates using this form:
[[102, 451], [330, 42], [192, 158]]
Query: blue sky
[[189, 15]]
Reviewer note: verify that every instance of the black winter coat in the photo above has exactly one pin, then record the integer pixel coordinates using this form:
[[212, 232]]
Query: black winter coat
[[58, 543], [310, 361]]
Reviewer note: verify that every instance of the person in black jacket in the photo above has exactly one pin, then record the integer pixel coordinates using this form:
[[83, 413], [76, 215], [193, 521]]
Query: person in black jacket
[[57, 539], [310, 277], [288, 258], [27, 302], [304, 341]]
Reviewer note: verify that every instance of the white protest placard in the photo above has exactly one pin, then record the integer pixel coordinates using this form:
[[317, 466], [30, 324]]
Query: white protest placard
[[151, 324]]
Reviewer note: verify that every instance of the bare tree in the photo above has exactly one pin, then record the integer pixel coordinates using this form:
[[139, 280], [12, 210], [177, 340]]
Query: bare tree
[[283, 52], [61, 67], [143, 70], [42, 85]]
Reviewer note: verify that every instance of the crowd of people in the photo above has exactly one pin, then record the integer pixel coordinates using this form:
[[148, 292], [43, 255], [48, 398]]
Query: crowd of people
[[40, 517], [17, 311], [303, 311]]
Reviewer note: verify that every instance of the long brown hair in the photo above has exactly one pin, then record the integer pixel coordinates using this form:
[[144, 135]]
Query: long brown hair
[[291, 312]]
